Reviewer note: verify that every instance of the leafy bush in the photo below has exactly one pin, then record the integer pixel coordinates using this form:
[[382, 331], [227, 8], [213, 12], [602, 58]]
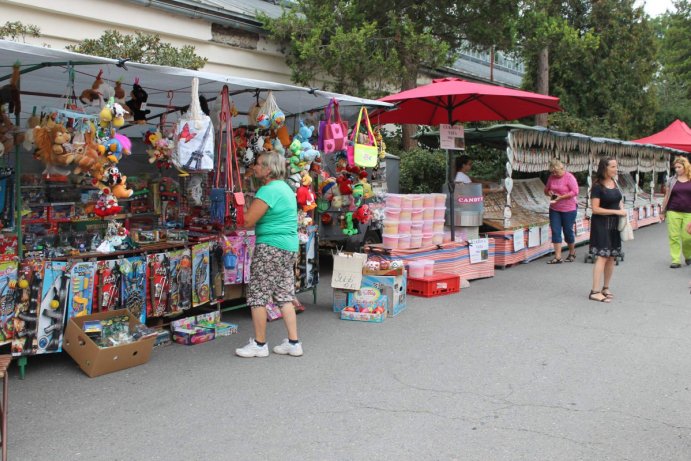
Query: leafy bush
[[423, 171]]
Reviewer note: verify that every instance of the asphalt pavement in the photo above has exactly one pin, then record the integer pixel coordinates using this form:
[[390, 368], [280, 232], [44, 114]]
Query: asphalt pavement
[[521, 366]]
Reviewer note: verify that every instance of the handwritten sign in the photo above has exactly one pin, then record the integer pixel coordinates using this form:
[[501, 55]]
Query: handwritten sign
[[347, 271], [479, 250], [451, 137]]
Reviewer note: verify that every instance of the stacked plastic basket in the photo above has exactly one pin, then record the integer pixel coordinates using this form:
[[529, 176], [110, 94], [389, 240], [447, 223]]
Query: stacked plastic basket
[[414, 220]]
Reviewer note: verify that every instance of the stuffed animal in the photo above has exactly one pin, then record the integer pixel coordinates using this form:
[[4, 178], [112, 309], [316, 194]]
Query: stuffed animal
[[349, 228], [309, 154], [278, 147], [119, 93], [7, 134], [137, 103], [115, 147], [9, 94], [51, 141], [117, 182], [305, 195], [278, 118], [362, 214], [344, 184], [107, 204], [304, 132]]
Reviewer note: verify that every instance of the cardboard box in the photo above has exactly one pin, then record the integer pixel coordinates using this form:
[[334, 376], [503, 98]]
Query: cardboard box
[[347, 270], [363, 316], [340, 299], [96, 361], [394, 287], [193, 335]]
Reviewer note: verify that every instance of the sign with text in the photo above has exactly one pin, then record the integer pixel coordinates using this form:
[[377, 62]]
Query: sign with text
[[479, 250], [451, 137], [347, 271]]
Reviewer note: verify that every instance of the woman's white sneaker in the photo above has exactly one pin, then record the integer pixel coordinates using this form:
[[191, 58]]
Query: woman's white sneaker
[[253, 350], [285, 348]]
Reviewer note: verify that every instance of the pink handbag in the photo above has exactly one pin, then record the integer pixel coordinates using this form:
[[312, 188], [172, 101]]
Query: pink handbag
[[333, 132]]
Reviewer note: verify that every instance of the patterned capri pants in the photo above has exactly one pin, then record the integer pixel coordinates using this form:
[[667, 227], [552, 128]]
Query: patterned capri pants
[[272, 276]]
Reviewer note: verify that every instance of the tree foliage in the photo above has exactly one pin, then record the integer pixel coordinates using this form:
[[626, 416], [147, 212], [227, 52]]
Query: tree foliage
[[607, 81], [367, 47], [423, 171], [12, 30], [144, 48]]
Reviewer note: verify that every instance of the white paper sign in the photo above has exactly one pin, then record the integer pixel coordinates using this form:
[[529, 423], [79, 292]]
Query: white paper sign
[[533, 237], [479, 250], [544, 234], [347, 271], [518, 239], [451, 137]]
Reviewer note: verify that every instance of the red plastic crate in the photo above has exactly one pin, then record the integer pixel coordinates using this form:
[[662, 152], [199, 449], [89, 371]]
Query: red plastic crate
[[437, 285]]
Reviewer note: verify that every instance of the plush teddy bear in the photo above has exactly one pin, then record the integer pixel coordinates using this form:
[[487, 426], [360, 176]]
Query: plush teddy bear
[[117, 182], [54, 145], [305, 195], [138, 103], [10, 94]]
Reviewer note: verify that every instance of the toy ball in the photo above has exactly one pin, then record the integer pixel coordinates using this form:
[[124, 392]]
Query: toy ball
[[278, 118], [23, 284], [54, 304], [263, 121]]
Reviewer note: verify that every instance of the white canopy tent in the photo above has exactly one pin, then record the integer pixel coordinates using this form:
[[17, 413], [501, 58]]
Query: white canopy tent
[[45, 79]]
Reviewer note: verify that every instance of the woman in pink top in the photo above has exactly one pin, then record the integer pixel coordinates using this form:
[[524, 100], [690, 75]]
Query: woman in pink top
[[562, 188]]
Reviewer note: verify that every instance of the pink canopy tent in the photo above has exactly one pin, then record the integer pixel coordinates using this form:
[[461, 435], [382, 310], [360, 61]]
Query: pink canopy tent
[[676, 136]]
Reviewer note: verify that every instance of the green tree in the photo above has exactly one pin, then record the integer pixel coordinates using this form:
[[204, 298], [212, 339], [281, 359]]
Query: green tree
[[144, 48], [13, 30], [423, 171], [369, 48], [675, 57], [609, 81]]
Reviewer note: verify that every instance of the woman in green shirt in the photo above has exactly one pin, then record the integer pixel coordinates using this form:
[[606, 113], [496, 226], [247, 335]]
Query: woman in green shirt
[[273, 214]]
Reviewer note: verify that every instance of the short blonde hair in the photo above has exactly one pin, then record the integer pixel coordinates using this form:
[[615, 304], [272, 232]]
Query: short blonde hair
[[685, 163], [275, 163], [555, 164]]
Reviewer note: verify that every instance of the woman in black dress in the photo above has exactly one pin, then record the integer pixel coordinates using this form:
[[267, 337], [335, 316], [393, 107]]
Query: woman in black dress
[[605, 241]]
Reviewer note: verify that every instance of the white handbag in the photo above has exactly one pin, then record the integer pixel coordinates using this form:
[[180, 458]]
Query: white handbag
[[194, 138]]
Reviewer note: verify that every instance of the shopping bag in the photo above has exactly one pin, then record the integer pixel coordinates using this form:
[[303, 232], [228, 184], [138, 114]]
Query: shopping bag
[[194, 138], [333, 131], [626, 232], [363, 155]]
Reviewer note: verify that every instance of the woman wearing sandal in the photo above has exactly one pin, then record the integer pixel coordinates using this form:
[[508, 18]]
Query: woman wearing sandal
[[676, 210], [562, 189], [605, 242]]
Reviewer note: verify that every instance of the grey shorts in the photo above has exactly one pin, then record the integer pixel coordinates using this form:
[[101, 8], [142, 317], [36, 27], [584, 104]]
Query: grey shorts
[[272, 276]]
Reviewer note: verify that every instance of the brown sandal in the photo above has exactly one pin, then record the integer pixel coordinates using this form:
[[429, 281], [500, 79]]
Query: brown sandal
[[604, 299], [571, 258], [555, 261], [605, 291]]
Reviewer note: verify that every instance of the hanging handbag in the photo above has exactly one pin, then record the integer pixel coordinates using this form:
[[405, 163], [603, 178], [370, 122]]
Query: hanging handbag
[[333, 131], [226, 202], [363, 155], [194, 138], [624, 226]]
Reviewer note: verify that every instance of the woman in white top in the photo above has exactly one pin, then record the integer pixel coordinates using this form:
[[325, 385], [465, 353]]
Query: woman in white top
[[463, 166]]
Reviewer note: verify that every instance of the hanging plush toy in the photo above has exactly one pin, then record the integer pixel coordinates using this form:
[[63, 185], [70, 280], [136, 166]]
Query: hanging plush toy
[[305, 195], [138, 102], [9, 94], [107, 204], [304, 133], [117, 182], [362, 214], [349, 228]]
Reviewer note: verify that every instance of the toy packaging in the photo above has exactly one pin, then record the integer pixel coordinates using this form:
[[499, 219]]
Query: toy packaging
[[109, 286], [200, 274], [236, 258], [29, 284], [180, 280], [187, 332], [8, 287], [54, 294], [133, 271], [158, 300], [82, 293]]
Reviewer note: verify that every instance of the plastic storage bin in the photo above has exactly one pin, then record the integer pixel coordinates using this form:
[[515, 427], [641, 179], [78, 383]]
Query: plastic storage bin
[[416, 215], [436, 285], [404, 227], [429, 267], [439, 200], [404, 241], [390, 241], [391, 226], [416, 269]]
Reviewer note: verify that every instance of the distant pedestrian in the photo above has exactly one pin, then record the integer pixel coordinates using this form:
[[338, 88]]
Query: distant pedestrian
[[273, 213], [605, 242], [562, 189], [676, 209]]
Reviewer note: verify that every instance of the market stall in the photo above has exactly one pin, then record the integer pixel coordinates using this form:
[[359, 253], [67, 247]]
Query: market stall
[[135, 193]]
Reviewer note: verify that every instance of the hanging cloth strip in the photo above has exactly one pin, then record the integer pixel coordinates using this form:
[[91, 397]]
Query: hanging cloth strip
[[226, 202]]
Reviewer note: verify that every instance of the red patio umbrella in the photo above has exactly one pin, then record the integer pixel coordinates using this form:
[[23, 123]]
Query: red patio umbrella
[[453, 100], [676, 136]]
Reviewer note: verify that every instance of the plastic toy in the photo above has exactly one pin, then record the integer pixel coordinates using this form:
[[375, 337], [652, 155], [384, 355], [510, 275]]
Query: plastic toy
[[349, 228]]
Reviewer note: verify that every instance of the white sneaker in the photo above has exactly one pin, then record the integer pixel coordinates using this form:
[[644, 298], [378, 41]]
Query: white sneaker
[[285, 348], [252, 350]]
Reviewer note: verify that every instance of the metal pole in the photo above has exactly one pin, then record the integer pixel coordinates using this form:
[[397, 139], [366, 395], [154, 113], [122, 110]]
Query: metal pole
[[450, 176]]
